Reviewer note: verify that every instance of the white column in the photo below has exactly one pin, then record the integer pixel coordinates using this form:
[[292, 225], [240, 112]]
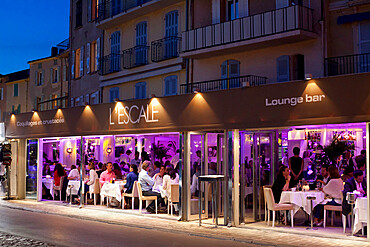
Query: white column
[[186, 177], [368, 177], [236, 197], [105, 143]]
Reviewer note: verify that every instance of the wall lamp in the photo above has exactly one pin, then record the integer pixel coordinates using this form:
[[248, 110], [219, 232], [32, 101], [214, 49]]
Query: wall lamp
[[69, 150], [307, 77], [109, 150]]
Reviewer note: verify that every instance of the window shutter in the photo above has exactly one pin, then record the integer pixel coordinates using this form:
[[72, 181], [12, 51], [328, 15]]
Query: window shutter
[[72, 102], [143, 90], [97, 52], [36, 77], [224, 70], [174, 85], [73, 64], [88, 10], [19, 108], [51, 76], [82, 61], [35, 104], [42, 76], [58, 74], [42, 106], [234, 68], [137, 91], [50, 102], [283, 69], [64, 73], [166, 86], [88, 58], [2, 93], [13, 109]]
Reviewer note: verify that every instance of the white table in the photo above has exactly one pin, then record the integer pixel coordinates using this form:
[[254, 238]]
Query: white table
[[112, 190], [360, 213], [49, 184], [299, 199], [75, 187]]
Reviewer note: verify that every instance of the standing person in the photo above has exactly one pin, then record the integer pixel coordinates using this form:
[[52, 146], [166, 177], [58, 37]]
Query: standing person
[[136, 161], [306, 163], [125, 157], [107, 175], [296, 167], [147, 186]]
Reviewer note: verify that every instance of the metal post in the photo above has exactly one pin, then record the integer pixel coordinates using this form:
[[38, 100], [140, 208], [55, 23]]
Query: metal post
[[82, 187], [180, 166], [255, 192]]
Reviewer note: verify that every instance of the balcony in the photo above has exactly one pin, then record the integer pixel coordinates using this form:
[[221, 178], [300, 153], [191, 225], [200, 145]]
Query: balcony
[[112, 12], [221, 84], [166, 48], [135, 56], [130, 58], [352, 64], [281, 26]]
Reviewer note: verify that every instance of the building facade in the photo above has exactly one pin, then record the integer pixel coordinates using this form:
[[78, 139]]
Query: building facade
[[141, 49], [48, 83], [86, 44], [16, 92]]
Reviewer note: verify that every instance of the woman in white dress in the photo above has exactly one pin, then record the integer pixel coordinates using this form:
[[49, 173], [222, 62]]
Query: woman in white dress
[[171, 177]]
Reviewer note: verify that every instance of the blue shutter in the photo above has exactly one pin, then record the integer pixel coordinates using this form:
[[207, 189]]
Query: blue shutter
[[140, 90], [116, 7], [115, 47], [15, 88], [283, 68], [137, 91], [113, 94], [143, 90], [170, 85], [141, 42]]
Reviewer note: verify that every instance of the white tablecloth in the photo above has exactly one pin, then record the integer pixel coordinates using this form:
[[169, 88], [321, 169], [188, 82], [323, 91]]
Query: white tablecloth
[[360, 213], [112, 190], [49, 184], [75, 187], [299, 199]]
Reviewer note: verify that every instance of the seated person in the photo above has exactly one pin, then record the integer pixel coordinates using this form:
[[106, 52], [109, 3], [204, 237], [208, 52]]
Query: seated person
[[348, 173], [158, 179], [194, 188], [130, 180], [136, 160], [46, 170], [281, 183], [171, 177], [74, 174], [117, 171], [355, 183], [332, 190], [107, 175], [156, 168], [125, 169], [147, 186], [324, 178]]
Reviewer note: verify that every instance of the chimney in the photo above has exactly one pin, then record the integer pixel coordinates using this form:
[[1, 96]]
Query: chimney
[[54, 51]]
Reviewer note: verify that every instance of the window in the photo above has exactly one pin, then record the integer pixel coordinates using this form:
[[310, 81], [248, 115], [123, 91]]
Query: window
[[115, 49], [77, 62], [1, 93], [78, 14], [94, 99], [79, 101], [15, 90], [113, 94], [283, 68], [141, 42], [232, 10], [54, 103], [92, 57], [230, 69], [54, 75], [16, 109], [364, 46], [116, 7], [171, 33], [39, 65], [39, 78], [170, 85], [140, 90]]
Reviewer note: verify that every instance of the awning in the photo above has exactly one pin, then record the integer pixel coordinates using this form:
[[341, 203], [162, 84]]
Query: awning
[[354, 17]]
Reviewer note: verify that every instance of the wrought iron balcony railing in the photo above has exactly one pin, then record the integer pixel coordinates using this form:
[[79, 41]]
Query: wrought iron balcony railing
[[255, 26], [221, 84], [110, 8], [135, 56], [351, 64], [165, 48], [110, 63]]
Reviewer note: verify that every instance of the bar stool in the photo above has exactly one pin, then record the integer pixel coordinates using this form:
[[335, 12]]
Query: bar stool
[[311, 198]]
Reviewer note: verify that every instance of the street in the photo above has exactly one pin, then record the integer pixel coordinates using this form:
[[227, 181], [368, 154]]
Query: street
[[65, 231]]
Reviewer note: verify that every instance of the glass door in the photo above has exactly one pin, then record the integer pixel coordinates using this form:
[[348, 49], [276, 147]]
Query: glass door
[[257, 169], [31, 169]]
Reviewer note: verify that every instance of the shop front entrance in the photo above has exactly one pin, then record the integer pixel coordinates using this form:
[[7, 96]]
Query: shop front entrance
[[258, 156]]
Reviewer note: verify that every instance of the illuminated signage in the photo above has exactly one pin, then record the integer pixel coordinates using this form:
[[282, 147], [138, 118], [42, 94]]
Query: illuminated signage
[[293, 101], [133, 114]]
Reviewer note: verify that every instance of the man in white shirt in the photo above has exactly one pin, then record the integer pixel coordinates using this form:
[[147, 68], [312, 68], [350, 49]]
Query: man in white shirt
[[158, 179], [74, 174], [125, 157], [147, 186]]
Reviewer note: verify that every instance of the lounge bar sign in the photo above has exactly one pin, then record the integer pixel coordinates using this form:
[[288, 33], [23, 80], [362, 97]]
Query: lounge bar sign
[[293, 101], [133, 114]]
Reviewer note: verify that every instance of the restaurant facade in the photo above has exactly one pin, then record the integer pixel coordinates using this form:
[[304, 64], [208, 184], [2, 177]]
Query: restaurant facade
[[242, 133]]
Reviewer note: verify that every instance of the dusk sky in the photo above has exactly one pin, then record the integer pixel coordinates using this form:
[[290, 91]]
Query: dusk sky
[[28, 30]]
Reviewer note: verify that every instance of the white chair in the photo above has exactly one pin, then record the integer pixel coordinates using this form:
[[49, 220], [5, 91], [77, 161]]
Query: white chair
[[145, 198], [95, 191], [173, 198], [133, 194], [59, 188], [272, 206], [266, 186]]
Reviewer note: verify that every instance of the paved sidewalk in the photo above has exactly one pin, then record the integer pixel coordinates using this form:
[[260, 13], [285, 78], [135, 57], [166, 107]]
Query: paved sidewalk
[[262, 235], [13, 240]]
